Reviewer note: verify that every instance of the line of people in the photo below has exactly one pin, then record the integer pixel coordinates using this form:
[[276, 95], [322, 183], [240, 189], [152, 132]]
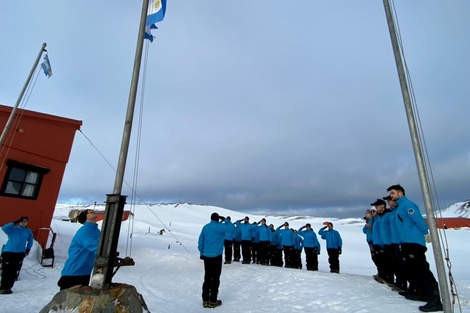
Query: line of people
[[397, 238], [262, 244]]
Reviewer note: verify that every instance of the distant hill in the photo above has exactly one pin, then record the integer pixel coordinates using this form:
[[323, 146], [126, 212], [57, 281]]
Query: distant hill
[[459, 209]]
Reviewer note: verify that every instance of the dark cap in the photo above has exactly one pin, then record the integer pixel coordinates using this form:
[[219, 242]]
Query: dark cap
[[215, 217], [82, 216], [378, 202], [24, 218], [387, 198]]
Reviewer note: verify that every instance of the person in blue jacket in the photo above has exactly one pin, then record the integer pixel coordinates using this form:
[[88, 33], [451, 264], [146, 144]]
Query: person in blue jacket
[[228, 242], [20, 241], [255, 243], [237, 240], [398, 265], [211, 246], [298, 245], [287, 242], [264, 241], [333, 246], [379, 234], [82, 252], [311, 247], [275, 248], [247, 236], [413, 229]]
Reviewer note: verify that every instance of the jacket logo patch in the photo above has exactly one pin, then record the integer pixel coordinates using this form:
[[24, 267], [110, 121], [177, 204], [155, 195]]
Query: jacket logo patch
[[411, 211]]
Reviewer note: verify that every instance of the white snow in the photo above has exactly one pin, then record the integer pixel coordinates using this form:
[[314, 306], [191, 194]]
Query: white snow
[[169, 274]]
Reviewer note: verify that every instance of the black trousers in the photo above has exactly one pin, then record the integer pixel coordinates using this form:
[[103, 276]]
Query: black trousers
[[246, 251], [311, 258], [288, 256], [418, 270], [11, 264], [399, 267], [228, 250], [379, 260], [254, 251], [212, 271], [389, 264], [66, 282], [236, 250], [263, 252], [333, 259]]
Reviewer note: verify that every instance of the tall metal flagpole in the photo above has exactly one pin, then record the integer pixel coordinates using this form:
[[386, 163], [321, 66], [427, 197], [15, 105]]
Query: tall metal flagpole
[[107, 249], [20, 97], [441, 272]]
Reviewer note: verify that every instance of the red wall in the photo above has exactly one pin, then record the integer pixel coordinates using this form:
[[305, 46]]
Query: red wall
[[42, 140]]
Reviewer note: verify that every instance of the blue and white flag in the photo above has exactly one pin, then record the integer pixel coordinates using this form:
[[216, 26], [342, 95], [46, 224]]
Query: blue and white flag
[[46, 67], [148, 32], [156, 12]]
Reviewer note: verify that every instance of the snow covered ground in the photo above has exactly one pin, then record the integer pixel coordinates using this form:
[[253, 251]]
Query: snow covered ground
[[169, 274]]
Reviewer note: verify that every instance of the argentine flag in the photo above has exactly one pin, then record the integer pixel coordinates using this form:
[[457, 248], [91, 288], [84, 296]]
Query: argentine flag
[[46, 67], [156, 13]]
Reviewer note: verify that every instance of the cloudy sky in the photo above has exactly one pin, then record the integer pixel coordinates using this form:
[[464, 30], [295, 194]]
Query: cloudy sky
[[250, 105]]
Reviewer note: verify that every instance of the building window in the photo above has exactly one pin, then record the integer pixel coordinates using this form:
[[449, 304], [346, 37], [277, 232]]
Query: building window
[[22, 180]]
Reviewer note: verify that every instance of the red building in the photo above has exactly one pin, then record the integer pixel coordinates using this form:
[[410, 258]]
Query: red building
[[33, 156]]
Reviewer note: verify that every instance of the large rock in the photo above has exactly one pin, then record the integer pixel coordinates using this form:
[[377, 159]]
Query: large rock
[[120, 298]]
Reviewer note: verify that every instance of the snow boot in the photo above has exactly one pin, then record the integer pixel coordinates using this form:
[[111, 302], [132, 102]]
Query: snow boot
[[434, 300], [214, 304], [205, 304], [432, 306]]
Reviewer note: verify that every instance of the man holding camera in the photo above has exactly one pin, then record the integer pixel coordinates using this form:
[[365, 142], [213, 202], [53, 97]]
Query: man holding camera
[[211, 246], [20, 241]]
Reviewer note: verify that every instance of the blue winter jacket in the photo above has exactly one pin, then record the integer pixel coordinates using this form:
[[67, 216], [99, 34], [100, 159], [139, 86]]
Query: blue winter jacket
[[275, 238], [230, 234], [211, 239], [411, 224], [386, 227], [287, 236], [310, 239], [264, 233], [298, 242], [237, 234], [368, 230], [82, 251], [376, 237], [20, 238], [332, 237], [246, 229], [393, 227], [255, 233]]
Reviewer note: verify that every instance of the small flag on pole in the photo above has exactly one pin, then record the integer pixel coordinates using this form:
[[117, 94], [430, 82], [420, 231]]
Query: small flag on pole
[[156, 14], [148, 32], [46, 66]]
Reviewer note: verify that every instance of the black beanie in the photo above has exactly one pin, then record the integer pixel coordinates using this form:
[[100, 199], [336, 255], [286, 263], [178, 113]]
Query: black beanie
[[214, 217], [82, 217]]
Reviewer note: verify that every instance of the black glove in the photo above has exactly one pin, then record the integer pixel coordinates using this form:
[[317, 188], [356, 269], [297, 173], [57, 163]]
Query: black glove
[[222, 218], [339, 251], [16, 222], [201, 257], [26, 252], [325, 227]]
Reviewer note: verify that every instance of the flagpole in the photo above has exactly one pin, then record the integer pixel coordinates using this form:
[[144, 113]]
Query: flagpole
[[13, 112], [420, 164], [106, 257]]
